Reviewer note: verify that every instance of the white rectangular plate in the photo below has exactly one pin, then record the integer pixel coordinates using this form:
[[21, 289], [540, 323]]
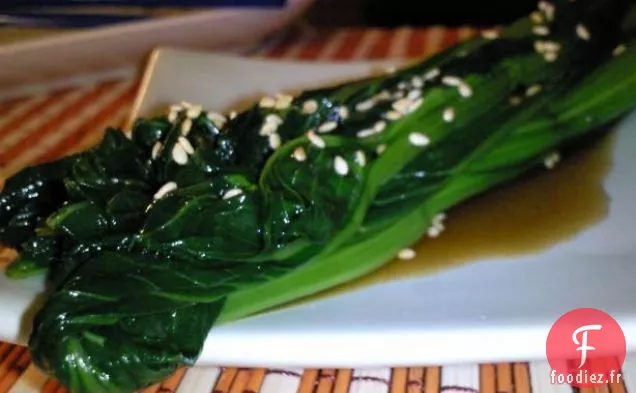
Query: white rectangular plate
[[487, 311]]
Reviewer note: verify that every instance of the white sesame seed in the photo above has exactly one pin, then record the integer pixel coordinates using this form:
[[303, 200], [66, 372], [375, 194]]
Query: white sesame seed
[[364, 106], [283, 101], [547, 8], [267, 102], [218, 119], [233, 114], [343, 111], [380, 149], [541, 30], [451, 81], [268, 129], [439, 219], [274, 141], [418, 139], [434, 231], [552, 160], [465, 90], [361, 159], [175, 108], [232, 193], [448, 115], [194, 112], [328, 126], [179, 155], [414, 94], [172, 116], [402, 105], [367, 132], [550, 57], [417, 82], [402, 86], [551, 46], [415, 105], [514, 100], [490, 34], [316, 140], [185, 104], [156, 148], [166, 188], [406, 254], [539, 46], [341, 166], [533, 90], [398, 94], [185, 144], [390, 69], [618, 50], [186, 126], [379, 126], [310, 106], [536, 17], [274, 119], [582, 32], [393, 115], [300, 154], [432, 74]]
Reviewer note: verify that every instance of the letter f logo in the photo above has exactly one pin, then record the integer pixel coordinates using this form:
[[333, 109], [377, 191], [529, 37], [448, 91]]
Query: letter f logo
[[583, 344]]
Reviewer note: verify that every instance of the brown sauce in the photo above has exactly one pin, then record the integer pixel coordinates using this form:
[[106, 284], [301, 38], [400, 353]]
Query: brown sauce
[[528, 215]]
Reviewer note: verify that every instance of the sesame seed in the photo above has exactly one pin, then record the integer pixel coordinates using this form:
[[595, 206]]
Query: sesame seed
[[217, 118], [268, 129], [185, 104], [172, 116], [552, 160], [582, 32], [417, 82], [514, 100], [393, 115], [166, 188], [398, 94], [490, 34], [328, 126], [539, 46], [361, 159], [448, 115], [418, 139], [541, 30], [316, 140], [274, 141], [379, 126], [402, 86], [550, 56], [309, 107], [274, 119], [233, 114], [300, 154], [406, 254], [380, 149], [232, 193], [283, 101], [185, 144], [267, 102], [451, 81], [547, 8], [533, 90], [551, 46], [536, 17], [432, 74], [341, 166], [402, 105], [618, 50], [439, 219], [434, 231], [416, 104], [364, 106], [194, 112], [383, 95], [186, 126], [390, 69], [156, 149], [175, 108], [414, 94], [465, 90], [179, 155], [343, 111], [367, 132]]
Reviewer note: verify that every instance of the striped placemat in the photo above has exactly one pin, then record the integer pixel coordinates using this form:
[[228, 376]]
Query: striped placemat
[[41, 128]]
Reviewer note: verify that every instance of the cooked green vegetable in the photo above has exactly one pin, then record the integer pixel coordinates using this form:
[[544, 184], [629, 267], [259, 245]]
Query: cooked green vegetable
[[195, 220]]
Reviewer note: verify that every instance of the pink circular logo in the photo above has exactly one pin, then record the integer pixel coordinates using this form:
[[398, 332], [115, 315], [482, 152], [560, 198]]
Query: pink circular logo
[[586, 348]]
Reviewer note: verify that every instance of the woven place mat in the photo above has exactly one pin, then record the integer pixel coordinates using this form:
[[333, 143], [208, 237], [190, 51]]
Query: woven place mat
[[41, 128]]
